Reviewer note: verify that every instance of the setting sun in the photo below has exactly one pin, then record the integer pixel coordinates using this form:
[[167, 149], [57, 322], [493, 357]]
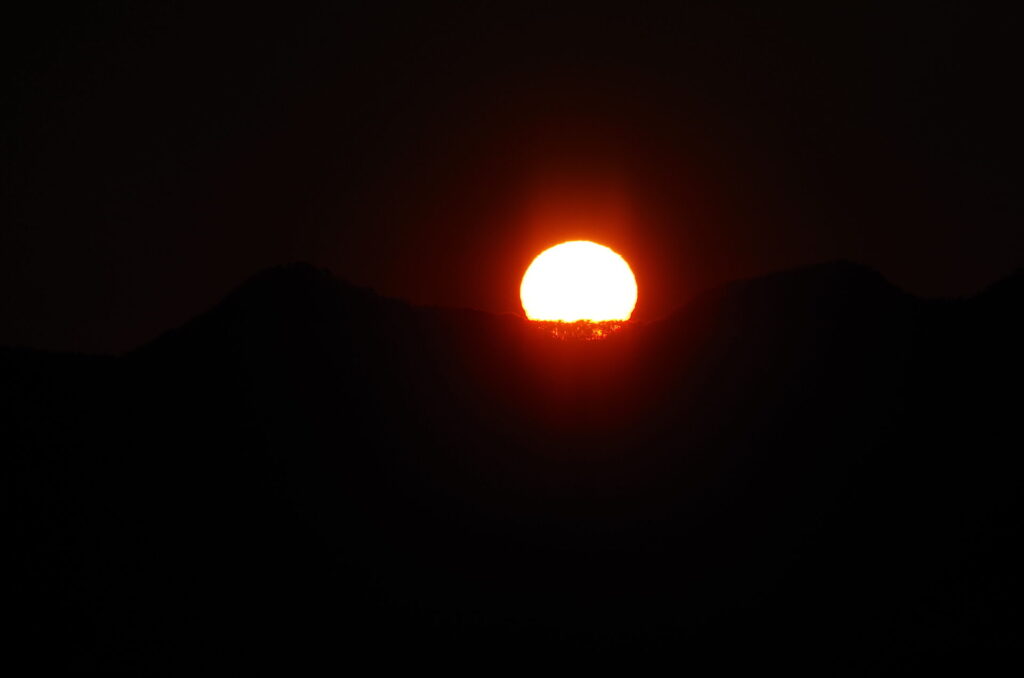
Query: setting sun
[[578, 280]]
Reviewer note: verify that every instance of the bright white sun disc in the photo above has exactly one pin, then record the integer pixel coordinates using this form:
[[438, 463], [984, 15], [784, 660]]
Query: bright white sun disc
[[578, 280]]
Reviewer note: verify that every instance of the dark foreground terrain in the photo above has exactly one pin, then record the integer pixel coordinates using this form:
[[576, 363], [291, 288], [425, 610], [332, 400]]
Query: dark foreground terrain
[[807, 468]]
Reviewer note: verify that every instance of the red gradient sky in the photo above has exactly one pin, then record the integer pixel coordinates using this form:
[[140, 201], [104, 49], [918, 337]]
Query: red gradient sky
[[157, 156]]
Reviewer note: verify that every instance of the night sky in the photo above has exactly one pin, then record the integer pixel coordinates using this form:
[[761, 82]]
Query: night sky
[[154, 157]]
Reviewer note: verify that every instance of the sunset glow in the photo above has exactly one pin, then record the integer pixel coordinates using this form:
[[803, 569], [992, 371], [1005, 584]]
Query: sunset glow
[[578, 280]]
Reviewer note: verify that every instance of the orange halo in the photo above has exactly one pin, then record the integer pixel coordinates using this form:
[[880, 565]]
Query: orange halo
[[578, 280]]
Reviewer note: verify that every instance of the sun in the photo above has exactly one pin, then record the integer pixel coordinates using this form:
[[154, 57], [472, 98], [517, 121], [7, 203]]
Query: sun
[[578, 280]]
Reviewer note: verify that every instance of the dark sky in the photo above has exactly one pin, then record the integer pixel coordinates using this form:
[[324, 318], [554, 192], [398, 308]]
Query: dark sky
[[154, 157]]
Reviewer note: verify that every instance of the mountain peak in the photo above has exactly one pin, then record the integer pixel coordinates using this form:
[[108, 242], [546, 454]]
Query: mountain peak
[[814, 284]]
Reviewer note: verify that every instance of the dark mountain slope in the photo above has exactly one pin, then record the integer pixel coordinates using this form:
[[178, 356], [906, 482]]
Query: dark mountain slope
[[809, 465]]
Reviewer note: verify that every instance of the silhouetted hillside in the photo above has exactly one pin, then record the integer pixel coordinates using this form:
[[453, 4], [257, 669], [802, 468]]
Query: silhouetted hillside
[[810, 466]]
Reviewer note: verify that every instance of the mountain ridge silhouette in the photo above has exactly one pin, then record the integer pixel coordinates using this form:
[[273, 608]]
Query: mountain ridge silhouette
[[309, 467]]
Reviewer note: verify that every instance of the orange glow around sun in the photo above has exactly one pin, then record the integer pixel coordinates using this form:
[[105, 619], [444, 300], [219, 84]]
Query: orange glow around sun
[[578, 280]]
